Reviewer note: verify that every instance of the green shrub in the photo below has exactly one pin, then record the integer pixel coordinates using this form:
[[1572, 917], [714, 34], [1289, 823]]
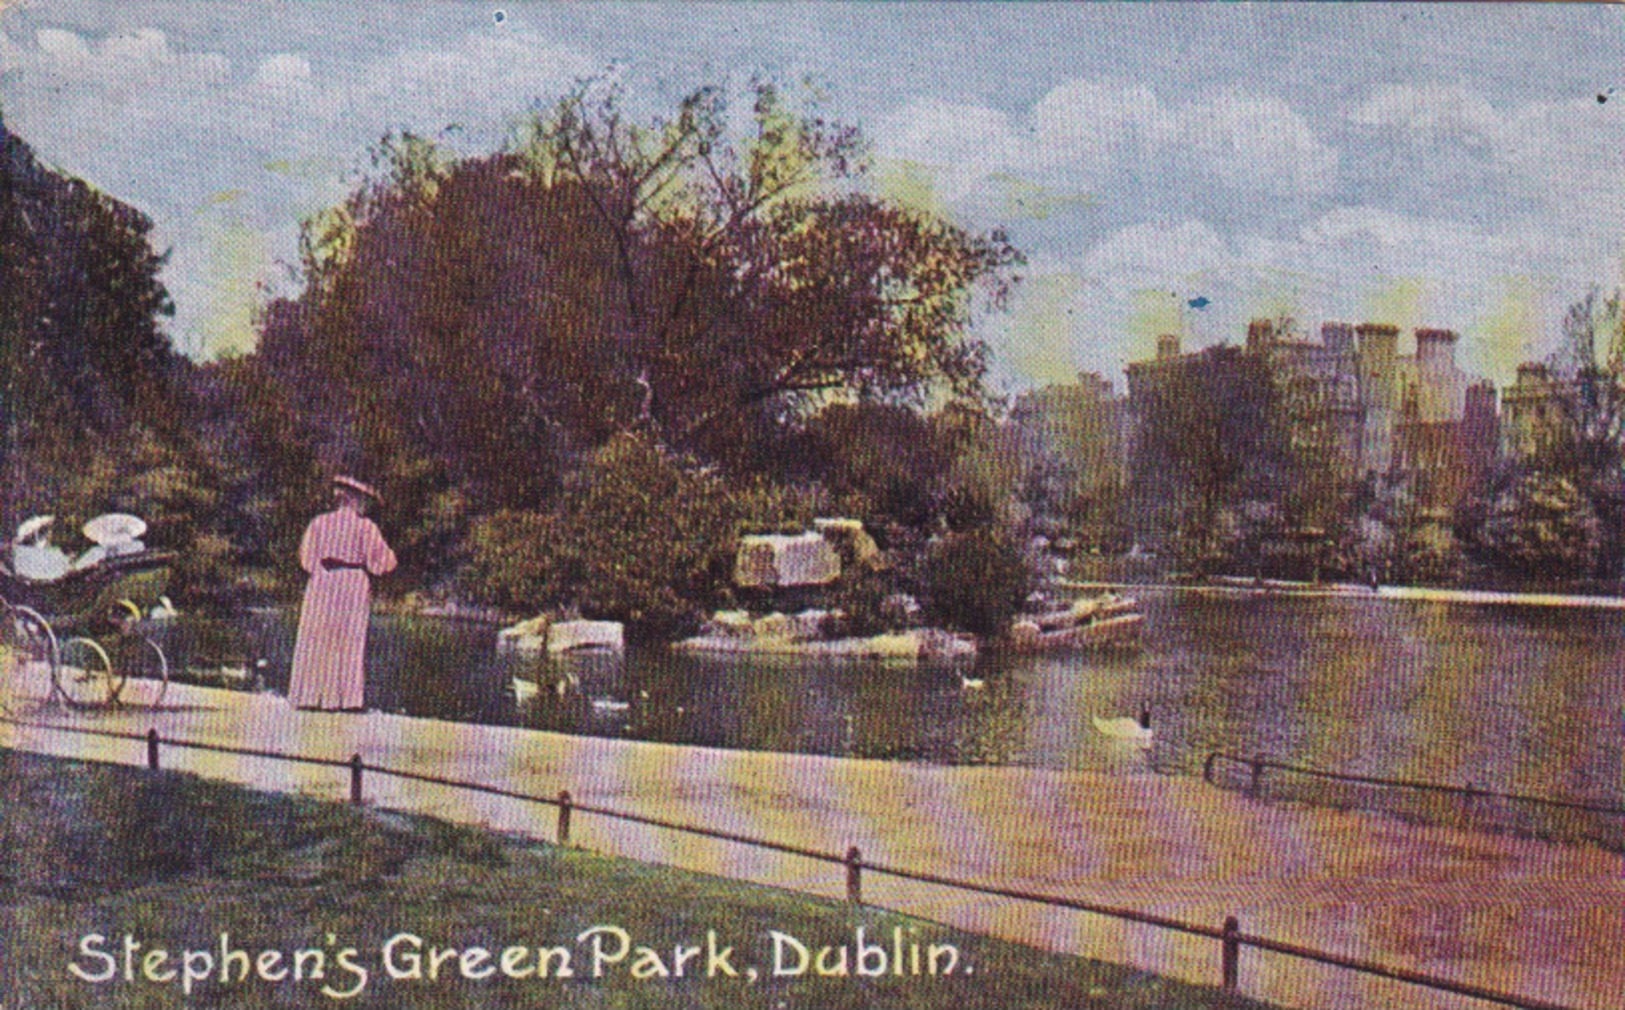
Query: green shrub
[[516, 560], [976, 581], [650, 536]]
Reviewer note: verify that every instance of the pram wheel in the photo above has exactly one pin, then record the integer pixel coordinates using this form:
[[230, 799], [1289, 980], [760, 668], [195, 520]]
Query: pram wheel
[[85, 674], [28, 646]]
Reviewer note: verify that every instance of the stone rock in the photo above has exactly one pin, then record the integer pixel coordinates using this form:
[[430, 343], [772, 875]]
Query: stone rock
[[569, 636], [773, 627], [776, 559], [1025, 633], [926, 643], [526, 636], [729, 622], [809, 624], [938, 644]]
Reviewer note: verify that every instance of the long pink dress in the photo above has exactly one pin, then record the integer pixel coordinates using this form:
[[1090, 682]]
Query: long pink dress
[[332, 642]]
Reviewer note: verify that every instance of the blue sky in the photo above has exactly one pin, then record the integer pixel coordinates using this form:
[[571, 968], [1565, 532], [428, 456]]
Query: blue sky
[[1426, 165]]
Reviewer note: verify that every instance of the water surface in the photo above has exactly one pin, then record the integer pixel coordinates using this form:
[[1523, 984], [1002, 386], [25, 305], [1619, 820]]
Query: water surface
[[1520, 699]]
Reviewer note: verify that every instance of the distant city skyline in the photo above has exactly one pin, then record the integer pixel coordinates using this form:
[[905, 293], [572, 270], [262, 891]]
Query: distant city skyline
[[1165, 168]]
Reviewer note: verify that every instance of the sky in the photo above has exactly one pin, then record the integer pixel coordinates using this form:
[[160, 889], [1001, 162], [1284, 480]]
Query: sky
[[1452, 165]]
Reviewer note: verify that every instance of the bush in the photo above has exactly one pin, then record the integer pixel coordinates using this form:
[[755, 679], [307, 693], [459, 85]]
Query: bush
[[1543, 527], [639, 535], [861, 594], [976, 581], [516, 561], [650, 535]]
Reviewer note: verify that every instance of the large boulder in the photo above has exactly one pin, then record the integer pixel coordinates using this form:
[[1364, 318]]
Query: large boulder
[[770, 560]]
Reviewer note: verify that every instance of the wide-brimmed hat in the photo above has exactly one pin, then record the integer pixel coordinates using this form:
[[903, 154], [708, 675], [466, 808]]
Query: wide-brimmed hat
[[113, 528], [358, 486]]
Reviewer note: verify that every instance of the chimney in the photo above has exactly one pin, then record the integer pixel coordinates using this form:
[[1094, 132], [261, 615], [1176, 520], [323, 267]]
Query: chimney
[[1095, 386], [1337, 337], [1260, 334], [1167, 347], [1480, 402], [1435, 347], [1378, 338]]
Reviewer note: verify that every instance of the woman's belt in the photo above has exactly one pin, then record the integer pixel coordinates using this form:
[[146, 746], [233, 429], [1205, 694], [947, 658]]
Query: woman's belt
[[335, 565]]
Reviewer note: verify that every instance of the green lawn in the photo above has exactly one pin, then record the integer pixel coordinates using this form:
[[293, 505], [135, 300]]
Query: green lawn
[[173, 862]]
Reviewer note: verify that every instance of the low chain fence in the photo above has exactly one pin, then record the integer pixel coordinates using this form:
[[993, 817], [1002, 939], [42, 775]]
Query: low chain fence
[[1467, 805]]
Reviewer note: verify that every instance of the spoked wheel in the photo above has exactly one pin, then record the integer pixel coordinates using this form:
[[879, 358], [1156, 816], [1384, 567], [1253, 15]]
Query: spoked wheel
[[143, 671], [28, 646], [85, 674]]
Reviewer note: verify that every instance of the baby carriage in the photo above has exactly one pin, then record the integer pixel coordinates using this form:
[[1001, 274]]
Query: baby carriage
[[82, 627]]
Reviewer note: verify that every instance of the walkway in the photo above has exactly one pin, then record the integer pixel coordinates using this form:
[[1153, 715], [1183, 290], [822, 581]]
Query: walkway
[[1515, 915]]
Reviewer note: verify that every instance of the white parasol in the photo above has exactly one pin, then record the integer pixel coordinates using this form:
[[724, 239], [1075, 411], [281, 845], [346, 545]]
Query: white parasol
[[114, 528], [32, 525]]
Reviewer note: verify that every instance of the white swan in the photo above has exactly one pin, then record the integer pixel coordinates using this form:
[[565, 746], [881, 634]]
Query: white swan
[[1137, 732]]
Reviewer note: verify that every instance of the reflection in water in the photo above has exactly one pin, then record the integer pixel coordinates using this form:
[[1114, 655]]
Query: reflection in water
[[1521, 699]]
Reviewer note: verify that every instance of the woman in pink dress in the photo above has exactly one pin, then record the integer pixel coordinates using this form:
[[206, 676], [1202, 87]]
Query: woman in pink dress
[[341, 551]]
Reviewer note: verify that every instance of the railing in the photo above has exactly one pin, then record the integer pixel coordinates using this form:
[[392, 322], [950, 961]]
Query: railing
[[1231, 938], [1566, 818]]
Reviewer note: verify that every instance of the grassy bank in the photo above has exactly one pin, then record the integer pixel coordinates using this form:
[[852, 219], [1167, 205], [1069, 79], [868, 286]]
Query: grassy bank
[[173, 862]]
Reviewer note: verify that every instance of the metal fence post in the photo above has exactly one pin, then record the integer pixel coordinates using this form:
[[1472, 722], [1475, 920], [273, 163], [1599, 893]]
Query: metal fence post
[[565, 805], [854, 876], [152, 748], [1230, 957], [355, 778]]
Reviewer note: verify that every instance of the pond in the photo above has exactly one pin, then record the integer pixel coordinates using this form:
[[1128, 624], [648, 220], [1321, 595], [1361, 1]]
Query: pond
[[1524, 699]]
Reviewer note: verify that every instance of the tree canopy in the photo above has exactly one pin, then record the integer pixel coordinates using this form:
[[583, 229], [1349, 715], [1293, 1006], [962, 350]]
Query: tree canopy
[[496, 315]]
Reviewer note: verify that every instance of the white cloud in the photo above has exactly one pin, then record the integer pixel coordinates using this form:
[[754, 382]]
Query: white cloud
[[966, 144], [1429, 111], [485, 77], [1351, 263], [1092, 128], [1565, 159], [147, 45], [124, 62], [1085, 121], [1254, 142], [63, 46], [1155, 255], [283, 71]]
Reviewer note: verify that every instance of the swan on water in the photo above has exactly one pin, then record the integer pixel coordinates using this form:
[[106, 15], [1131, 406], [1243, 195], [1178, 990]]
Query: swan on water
[[1127, 730]]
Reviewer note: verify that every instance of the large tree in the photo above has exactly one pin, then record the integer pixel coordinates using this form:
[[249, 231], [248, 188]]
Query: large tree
[[494, 316], [97, 411], [1210, 441], [1584, 442], [87, 377]]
